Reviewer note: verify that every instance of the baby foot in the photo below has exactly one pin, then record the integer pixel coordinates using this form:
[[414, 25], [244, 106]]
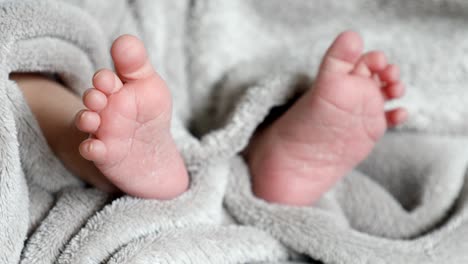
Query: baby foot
[[128, 117], [330, 129]]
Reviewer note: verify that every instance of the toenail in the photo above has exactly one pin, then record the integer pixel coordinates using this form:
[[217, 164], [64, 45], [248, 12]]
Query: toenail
[[97, 74], [116, 83], [83, 115], [90, 147], [87, 92]]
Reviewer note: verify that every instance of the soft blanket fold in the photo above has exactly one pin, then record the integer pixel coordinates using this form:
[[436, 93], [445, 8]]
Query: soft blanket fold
[[228, 64]]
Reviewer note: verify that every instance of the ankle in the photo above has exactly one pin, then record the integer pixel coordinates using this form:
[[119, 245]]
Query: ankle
[[287, 189], [280, 176]]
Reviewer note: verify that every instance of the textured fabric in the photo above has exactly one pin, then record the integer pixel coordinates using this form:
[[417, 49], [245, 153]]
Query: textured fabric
[[228, 64]]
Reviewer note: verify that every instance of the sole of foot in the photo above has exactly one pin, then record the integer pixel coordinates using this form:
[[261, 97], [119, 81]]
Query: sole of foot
[[128, 118], [330, 129]]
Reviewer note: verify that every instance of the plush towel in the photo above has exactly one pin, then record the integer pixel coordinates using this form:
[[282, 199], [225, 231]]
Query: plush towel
[[228, 64]]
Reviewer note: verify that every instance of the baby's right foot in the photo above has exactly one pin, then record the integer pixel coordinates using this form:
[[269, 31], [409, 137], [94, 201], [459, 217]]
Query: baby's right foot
[[330, 129], [129, 117]]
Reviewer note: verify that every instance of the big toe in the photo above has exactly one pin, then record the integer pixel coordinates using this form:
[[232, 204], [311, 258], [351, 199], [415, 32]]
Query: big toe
[[344, 53], [130, 58]]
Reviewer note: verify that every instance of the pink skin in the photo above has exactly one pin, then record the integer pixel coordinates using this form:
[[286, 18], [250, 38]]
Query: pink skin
[[128, 117], [330, 129], [326, 133]]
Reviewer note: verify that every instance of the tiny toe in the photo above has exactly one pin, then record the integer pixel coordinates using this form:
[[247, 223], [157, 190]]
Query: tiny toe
[[93, 149], [87, 121], [94, 100], [343, 53], [107, 81], [362, 69], [130, 58], [390, 74], [371, 62], [396, 117], [394, 91]]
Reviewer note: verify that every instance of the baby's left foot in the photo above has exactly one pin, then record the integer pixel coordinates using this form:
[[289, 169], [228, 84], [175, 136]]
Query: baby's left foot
[[330, 129]]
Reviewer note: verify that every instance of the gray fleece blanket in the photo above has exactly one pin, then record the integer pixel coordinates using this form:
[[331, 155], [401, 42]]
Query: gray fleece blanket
[[228, 64]]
